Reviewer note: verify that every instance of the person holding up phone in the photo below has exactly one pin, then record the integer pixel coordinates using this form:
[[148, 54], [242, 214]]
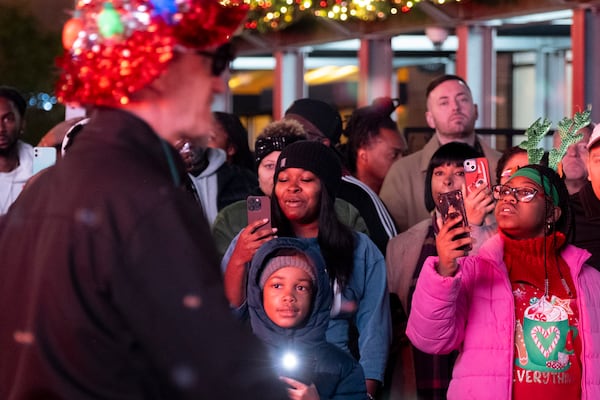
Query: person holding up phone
[[522, 312], [233, 219], [307, 176], [237, 218], [406, 253]]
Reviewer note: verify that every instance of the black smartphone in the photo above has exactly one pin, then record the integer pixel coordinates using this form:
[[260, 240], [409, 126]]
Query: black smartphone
[[258, 208], [450, 205]]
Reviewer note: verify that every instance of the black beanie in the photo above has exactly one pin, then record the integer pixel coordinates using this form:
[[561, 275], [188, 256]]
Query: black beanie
[[314, 157], [320, 114]]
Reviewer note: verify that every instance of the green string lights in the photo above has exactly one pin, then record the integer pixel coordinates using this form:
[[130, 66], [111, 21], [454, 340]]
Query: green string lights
[[274, 15]]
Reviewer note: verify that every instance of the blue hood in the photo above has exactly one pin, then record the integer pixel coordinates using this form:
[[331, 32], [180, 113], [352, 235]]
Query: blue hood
[[313, 331]]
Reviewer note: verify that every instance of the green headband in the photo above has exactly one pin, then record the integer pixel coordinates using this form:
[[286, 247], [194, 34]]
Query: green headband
[[536, 176]]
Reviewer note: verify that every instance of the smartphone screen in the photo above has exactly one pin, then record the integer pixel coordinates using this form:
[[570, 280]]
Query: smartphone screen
[[43, 157], [477, 173], [258, 208], [450, 205]]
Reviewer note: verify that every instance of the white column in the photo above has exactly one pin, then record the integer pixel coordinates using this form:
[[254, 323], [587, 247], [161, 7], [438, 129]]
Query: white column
[[481, 72], [555, 86], [289, 82], [592, 64], [376, 77]]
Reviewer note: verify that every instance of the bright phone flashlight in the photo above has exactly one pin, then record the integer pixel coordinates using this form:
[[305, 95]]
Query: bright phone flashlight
[[289, 361]]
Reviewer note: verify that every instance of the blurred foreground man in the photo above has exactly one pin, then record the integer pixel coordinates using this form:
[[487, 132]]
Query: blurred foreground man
[[109, 282]]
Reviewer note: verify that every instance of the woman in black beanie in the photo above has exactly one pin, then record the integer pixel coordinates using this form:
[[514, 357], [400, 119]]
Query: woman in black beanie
[[306, 180]]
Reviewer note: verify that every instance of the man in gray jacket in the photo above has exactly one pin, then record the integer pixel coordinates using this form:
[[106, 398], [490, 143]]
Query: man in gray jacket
[[452, 113]]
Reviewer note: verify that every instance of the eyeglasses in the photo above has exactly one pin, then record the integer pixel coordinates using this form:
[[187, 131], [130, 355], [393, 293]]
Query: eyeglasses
[[522, 194], [221, 58]]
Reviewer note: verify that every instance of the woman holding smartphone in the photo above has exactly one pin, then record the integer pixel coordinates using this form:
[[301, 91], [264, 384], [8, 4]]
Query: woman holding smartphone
[[233, 219], [406, 253], [307, 176], [523, 313]]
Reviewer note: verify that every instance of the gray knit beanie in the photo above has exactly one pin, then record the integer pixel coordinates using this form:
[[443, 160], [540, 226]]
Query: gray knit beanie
[[297, 260]]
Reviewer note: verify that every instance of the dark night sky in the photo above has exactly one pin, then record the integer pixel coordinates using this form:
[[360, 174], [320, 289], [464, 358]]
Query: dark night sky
[[51, 13]]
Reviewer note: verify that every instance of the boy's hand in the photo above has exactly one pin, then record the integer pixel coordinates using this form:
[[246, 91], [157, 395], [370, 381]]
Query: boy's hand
[[299, 390]]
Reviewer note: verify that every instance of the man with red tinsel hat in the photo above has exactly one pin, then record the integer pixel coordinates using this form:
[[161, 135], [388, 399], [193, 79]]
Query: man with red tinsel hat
[[109, 282]]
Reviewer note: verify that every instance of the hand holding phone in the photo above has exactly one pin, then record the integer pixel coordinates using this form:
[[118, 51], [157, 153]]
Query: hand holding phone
[[450, 206], [477, 173]]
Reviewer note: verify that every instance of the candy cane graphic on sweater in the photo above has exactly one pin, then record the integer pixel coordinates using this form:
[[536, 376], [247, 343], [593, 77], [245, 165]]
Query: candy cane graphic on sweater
[[545, 333]]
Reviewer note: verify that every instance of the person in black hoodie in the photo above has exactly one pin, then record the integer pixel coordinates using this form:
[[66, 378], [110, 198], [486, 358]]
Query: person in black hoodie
[[289, 302]]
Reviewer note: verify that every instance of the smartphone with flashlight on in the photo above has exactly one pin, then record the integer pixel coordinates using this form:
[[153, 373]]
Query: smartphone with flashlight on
[[297, 366], [450, 205], [259, 208]]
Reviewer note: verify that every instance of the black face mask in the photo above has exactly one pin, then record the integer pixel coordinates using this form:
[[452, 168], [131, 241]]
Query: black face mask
[[195, 158]]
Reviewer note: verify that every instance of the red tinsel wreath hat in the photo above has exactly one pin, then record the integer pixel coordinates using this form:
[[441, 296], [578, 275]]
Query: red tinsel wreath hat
[[116, 47]]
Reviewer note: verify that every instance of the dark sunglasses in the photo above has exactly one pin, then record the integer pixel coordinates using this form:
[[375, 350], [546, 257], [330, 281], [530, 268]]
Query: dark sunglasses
[[221, 58]]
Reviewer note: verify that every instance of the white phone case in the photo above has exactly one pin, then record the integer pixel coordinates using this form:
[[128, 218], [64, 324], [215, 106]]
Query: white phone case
[[43, 157]]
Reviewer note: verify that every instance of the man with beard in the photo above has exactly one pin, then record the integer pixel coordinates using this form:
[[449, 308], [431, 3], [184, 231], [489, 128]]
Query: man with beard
[[452, 113], [16, 156]]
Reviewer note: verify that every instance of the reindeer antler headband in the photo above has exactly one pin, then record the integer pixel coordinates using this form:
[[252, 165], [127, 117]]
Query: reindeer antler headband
[[568, 130]]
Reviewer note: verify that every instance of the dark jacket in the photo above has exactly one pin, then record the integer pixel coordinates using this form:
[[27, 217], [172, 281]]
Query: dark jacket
[[379, 222], [334, 372], [235, 184], [586, 227], [109, 281]]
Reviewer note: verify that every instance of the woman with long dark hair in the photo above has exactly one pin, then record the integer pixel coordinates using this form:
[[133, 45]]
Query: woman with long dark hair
[[306, 179]]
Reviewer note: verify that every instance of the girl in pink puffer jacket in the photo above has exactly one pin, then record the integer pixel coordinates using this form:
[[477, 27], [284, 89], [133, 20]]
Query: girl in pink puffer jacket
[[525, 312]]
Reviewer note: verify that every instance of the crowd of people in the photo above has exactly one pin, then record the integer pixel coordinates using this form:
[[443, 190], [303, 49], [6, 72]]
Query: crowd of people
[[131, 268]]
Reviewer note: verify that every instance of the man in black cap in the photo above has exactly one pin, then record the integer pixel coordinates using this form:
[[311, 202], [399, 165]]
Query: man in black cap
[[320, 120]]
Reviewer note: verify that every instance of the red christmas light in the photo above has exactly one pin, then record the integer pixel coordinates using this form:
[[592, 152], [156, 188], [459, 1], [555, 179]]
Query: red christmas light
[[70, 31]]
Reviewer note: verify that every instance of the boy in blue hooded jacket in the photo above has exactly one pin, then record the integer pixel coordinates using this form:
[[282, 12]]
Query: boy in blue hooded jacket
[[289, 301]]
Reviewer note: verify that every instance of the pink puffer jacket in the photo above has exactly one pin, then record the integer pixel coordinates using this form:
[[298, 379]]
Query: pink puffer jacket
[[474, 313]]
